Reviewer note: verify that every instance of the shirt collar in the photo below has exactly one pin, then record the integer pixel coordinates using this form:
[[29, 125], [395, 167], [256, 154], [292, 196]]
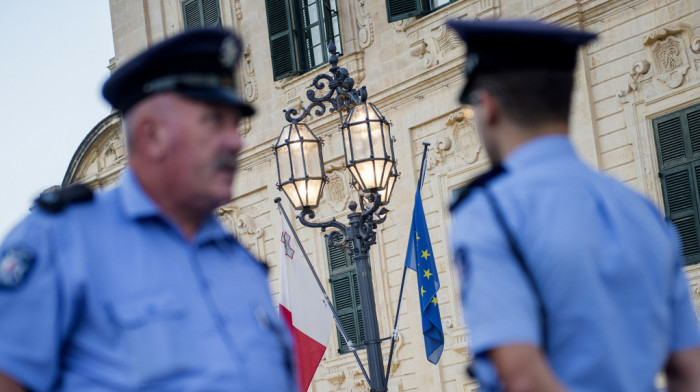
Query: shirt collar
[[138, 205], [540, 151], [135, 201]]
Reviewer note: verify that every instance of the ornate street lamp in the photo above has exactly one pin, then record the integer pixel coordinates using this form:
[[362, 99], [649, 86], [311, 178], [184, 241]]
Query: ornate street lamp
[[300, 173], [369, 156]]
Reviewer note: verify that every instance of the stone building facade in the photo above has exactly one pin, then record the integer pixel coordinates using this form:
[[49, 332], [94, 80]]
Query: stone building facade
[[644, 66]]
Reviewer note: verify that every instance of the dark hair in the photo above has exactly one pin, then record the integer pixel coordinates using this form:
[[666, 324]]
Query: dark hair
[[530, 97]]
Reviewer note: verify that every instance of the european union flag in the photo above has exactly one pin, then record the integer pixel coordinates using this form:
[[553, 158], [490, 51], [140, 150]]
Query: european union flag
[[419, 257]]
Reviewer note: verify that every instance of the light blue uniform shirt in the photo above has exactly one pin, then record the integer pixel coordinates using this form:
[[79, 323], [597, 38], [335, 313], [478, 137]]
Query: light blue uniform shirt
[[606, 263], [117, 299]]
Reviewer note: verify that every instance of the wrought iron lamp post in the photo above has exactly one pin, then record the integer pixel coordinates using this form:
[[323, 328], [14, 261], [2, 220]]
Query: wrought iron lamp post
[[369, 156]]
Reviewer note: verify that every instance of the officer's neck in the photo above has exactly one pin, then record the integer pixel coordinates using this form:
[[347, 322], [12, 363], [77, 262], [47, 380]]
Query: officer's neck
[[187, 216], [513, 136]]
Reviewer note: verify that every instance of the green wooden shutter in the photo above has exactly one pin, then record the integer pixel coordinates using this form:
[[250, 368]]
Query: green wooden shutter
[[201, 13], [677, 137], [346, 296], [281, 34], [402, 9], [191, 12], [210, 13]]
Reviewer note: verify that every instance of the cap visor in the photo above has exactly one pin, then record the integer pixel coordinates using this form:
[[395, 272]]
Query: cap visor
[[220, 96]]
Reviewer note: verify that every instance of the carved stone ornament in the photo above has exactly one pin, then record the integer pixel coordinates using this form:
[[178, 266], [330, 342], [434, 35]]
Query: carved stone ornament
[[114, 152], [422, 49], [468, 145], [250, 85], [668, 53], [365, 30], [336, 376], [446, 40], [244, 127], [237, 9], [337, 191], [243, 225], [460, 337], [443, 144], [695, 44], [403, 24], [638, 69]]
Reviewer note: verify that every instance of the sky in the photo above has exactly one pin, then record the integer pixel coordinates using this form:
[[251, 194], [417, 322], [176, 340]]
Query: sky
[[54, 57]]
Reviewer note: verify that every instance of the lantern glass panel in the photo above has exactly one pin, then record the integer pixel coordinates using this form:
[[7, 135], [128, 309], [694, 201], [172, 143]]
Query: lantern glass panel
[[291, 191], [285, 172], [386, 192], [364, 125]]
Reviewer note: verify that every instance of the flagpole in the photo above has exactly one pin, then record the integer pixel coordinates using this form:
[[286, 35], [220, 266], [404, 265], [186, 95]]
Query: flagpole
[[395, 332], [350, 343]]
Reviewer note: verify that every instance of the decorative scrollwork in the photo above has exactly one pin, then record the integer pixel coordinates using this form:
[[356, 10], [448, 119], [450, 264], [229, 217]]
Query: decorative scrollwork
[[338, 83], [308, 212]]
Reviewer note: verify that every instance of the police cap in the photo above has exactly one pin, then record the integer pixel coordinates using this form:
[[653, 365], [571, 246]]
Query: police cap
[[511, 45], [198, 64]]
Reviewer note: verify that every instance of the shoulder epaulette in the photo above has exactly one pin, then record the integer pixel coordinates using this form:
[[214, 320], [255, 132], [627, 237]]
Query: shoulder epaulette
[[478, 182], [56, 201]]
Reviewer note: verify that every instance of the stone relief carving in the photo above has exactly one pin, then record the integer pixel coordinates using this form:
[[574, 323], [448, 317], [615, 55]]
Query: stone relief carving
[[443, 144], [237, 9], [422, 49], [695, 44], [468, 145], [365, 30], [668, 53], [403, 24], [243, 226], [336, 376], [446, 40], [460, 337], [245, 126], [638, 69], [113, 153], [250, 85], [337, 191]]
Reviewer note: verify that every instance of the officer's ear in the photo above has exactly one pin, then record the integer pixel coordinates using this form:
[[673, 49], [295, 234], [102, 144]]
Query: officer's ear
[[150, 135], [490, 107]]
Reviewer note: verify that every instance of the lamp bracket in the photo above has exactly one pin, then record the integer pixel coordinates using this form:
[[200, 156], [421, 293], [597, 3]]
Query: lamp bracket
[[341, 94]]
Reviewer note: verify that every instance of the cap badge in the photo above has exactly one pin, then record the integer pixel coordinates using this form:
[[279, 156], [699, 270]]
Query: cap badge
[[228, 53]]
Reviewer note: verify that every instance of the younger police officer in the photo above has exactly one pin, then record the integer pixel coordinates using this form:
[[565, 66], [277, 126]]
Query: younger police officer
[[141, 288], [570, 280]]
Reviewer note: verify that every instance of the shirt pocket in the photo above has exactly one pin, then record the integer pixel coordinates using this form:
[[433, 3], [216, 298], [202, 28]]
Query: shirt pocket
[[149, 330]]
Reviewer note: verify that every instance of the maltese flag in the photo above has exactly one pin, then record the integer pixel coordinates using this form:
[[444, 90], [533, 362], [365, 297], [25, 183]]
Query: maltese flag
[[303, 308]]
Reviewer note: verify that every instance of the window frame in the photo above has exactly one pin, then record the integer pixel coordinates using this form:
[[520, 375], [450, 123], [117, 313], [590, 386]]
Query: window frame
[[301, 56], [201, 17], [411, 8], [678, 150]]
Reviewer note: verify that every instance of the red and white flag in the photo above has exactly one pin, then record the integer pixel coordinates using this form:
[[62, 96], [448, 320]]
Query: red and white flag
[[303, 308]]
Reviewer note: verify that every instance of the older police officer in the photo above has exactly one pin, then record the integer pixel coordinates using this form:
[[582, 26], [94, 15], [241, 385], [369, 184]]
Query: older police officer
[[570, 280], [140, 288]]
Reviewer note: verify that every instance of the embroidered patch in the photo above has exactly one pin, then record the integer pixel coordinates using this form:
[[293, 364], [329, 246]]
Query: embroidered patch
[[15, 265]]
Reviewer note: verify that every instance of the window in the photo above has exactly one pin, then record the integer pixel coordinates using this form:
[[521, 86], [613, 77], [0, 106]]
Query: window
[[678, 148], [299, 32], [346, 296], [200, 13], [402, 9]]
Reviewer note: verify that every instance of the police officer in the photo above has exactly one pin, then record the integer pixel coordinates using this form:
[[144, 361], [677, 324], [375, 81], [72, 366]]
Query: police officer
[[570, 280], [140, 288]]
